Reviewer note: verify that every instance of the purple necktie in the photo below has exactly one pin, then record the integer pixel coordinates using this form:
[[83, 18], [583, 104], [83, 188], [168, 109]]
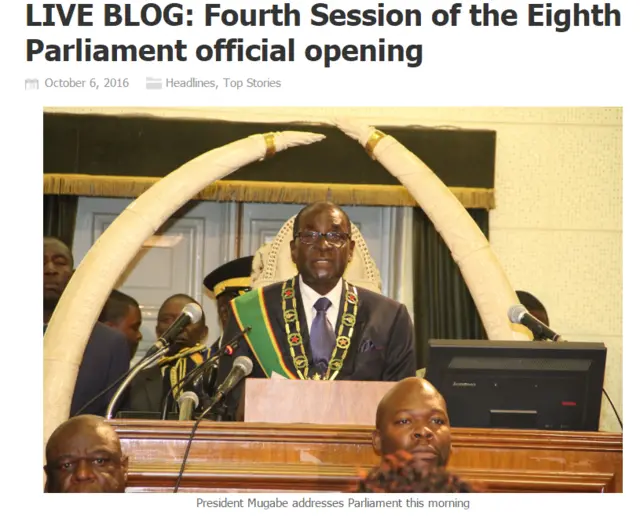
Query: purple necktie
[[323, 338]]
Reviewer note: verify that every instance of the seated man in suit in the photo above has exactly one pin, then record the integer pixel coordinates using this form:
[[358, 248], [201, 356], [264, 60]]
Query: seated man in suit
[[106, 357], [122, 312], [150, 387], [412, 416], [84, 456], [316, 325]]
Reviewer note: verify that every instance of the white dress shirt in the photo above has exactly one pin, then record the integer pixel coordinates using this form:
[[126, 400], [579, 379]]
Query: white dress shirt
[[309, 298]]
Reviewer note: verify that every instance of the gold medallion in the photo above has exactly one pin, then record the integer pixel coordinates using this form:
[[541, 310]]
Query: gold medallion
[[348, 319], [335, 366], [343, 341], [290, 315], [294, 339]]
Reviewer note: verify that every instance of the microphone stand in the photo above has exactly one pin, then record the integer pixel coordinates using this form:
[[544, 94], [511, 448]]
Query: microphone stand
[[220, 413], [196, 372], [218, 397], [193, 374], [219, 400], [134, 371]]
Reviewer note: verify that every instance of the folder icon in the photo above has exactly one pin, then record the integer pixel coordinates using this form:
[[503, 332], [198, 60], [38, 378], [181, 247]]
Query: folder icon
[[154, 83]]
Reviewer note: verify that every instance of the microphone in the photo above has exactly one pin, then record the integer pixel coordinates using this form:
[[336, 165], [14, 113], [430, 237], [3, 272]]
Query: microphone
[[199, 370], [242, 367], [191, 314], [518, 314], [187, 402]]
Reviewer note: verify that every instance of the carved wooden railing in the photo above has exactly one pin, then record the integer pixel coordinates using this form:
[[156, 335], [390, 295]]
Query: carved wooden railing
[[275, 457]]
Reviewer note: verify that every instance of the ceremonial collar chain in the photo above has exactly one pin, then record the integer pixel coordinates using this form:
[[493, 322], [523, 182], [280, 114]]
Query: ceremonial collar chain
[[294, 337]]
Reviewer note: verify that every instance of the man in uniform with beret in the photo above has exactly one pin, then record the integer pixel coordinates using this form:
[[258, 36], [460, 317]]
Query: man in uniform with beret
[[227, 282]]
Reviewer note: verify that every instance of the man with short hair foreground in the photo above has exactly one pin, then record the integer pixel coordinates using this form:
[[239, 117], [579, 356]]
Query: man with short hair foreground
[[84, 456], [412, 416]]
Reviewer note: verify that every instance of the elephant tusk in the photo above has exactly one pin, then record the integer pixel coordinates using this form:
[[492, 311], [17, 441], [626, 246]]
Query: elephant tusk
[[85, 295], [487, 282]]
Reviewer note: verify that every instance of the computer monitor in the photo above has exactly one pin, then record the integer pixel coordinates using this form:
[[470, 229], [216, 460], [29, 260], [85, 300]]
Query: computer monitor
[[519, 384]]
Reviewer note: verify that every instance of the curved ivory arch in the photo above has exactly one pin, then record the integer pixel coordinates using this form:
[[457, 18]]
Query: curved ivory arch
[[491, 290], [88, 289]]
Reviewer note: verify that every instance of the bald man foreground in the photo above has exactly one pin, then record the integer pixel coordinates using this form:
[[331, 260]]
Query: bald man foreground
[[412, 416], [84, 456]]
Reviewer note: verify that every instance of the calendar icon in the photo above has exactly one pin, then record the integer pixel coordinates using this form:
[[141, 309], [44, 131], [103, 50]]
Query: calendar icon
[[31, 84]]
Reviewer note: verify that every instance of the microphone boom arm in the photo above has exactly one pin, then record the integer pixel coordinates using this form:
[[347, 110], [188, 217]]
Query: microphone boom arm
[[196, 372], [135, 371]]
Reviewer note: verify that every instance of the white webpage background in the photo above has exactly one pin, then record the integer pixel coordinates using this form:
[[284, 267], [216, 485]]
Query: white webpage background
[[463, 66]]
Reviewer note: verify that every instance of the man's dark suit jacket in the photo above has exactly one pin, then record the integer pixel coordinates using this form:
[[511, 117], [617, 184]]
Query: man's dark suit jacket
[[145, 393], [106, 358], [382, 346]]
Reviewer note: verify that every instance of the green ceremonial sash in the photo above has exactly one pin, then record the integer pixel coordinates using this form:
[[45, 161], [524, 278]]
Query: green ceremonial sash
[[250, 311]]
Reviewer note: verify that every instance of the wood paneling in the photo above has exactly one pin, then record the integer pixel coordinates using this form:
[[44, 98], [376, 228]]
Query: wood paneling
[[269, 457]]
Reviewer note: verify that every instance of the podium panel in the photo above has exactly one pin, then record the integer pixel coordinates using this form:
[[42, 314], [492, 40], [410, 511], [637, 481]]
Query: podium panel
[[314, 402]]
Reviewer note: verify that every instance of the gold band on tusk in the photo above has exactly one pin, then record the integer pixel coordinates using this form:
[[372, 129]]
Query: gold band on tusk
[[270, 140], [373, 141]]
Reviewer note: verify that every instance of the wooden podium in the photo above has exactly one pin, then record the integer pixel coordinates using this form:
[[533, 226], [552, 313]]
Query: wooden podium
[[289, 401], [290, 442]]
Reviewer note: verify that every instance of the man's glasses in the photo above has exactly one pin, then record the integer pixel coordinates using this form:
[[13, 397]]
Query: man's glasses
[[335, 239]]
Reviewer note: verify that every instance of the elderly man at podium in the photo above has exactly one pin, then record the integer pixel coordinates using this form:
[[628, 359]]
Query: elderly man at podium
[[317, 324]]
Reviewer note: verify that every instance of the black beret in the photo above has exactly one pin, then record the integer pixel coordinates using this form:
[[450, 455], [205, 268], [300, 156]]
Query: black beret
[[234, 276]]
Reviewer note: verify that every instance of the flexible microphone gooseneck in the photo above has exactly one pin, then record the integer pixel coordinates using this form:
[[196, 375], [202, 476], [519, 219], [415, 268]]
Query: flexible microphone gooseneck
[[199, 370], [96, 397], [191, 313], [242, 367]]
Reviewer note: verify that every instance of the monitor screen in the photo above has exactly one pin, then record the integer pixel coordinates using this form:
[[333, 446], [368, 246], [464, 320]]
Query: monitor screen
[[519, 384]]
